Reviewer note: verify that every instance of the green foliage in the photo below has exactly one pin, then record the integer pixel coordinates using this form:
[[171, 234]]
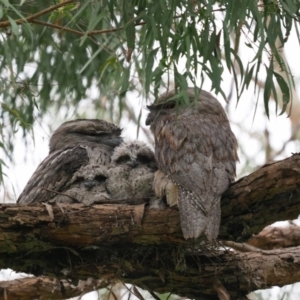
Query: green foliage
[[126, 45]]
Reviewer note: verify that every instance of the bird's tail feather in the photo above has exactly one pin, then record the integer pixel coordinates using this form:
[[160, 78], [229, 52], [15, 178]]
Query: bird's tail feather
[[195, 222]]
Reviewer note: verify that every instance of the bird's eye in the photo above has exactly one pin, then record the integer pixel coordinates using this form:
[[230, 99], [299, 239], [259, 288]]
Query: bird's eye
[[100, 178], [169, 105], [123, 159], [144, 159]]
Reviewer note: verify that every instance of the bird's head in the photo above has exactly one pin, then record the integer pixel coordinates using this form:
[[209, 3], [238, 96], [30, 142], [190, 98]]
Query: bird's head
[[84, 131], [171, 105], [134, 154]]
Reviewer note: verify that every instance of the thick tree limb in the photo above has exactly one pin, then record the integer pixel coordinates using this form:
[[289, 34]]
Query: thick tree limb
[[146, 247], [45, 288], [165, 270], [275, 238], [270, 194]]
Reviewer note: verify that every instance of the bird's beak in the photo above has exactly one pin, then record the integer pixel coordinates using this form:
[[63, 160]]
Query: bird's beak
[[133, 163], [113, 141], [150, 118]]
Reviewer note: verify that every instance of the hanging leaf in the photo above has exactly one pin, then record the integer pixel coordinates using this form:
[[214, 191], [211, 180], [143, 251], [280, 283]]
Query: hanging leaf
[[268, 87], [284, 89], [14, 26], [129, 27]]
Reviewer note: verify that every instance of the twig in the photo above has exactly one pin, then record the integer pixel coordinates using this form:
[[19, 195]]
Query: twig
[[31, 19], [61, 28], [93, 32], [34, 16]]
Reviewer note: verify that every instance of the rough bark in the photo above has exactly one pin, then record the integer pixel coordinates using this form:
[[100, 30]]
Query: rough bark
[[160, 269], [276, 237], [270, 194], [146, 248], [46, 288]]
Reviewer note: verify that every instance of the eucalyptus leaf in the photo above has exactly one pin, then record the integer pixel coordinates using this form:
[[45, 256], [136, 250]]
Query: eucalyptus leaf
[[51, 63]]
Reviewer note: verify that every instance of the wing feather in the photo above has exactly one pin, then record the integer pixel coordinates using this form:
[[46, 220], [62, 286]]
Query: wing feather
[[53, 174]]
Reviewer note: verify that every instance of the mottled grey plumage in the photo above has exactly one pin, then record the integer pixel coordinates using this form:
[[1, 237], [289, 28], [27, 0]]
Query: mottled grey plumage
[[131, 172], [80, 151], [196, 149], [164, 188], [85, 131]]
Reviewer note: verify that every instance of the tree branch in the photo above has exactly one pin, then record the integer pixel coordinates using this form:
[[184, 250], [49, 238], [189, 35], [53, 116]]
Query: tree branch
[[38, 14], [43, 287], [267, 195], [161, 269], [145, 247], [90, 33], [61, 28]]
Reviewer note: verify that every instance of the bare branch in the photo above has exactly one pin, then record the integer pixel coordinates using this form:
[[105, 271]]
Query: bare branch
[[46, 288], [38, 14], [110, 242]]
